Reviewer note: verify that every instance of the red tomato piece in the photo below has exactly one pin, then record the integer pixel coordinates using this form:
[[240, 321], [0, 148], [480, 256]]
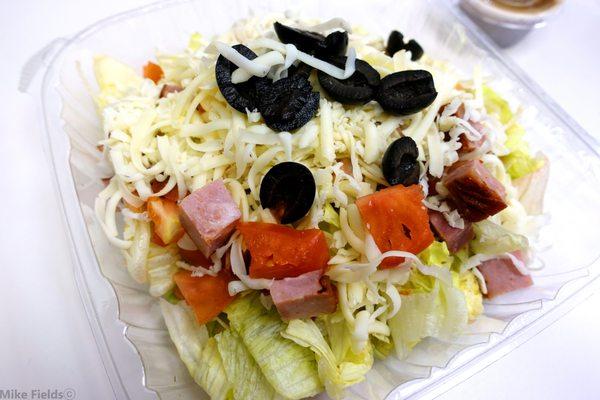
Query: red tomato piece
[[278, 251], [397, 220], [153, 71], [164, 215], [206, 295]]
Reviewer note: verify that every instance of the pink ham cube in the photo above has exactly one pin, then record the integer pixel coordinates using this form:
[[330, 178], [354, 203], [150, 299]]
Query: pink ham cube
[[209, 216]]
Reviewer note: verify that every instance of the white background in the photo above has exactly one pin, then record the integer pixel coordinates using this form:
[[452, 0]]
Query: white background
[[45, 341]]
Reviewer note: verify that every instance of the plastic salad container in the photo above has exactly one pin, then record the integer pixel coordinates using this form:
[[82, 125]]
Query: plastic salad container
[[139, 358]]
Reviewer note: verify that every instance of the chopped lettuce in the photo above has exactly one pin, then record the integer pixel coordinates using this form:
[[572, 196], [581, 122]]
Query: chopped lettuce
[[197, 351], [242, 371], [291, 369], [336, 374], [382, 348], [171, 297], [460, 257], [114, 78], [353, 366], [161, 278], [331, 216], [436, 254], [519, 162], [210, 374], [418, 283], [491, 238], [440, 313], [496, 105], [196, 41], [467, 283]]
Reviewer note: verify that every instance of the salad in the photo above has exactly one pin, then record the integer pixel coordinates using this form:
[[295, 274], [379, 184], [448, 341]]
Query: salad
[[305, 197]]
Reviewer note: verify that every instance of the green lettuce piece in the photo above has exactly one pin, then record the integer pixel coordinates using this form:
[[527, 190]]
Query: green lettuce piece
[[382, 348], [467, 283], [491, 238], [353, 366], [335, 375], [242, 371], [170, 297], [419, 283], [331, 216], [460, 257], [496, 105], [114, 79], [441, 313], [160, 278], [197, 351], [210, 374], [291, 369], [331, 219], [195, 41], [519, 162], [436, 254]]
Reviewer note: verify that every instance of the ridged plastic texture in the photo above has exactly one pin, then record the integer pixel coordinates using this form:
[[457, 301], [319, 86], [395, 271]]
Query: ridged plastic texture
[[139, 358]]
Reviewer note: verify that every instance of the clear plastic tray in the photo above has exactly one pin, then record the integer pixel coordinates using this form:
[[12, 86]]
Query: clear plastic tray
[[138, 356]]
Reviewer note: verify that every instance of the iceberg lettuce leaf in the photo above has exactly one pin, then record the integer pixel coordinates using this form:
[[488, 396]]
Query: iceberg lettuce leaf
[[440, 313], [436, 254], [197, 351], [467, 283], [335, 374], [491, 238], [291, 369], [114, 78], [353, 366], [245, 376], [496, 105], [519, 162]]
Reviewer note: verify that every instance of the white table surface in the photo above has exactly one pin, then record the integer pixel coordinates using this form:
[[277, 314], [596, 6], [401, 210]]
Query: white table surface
[[45, 340]]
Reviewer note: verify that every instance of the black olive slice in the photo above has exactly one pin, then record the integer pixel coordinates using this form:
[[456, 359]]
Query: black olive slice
[[301, 69], [336, 44], [288, 103], [416, 51], [359, 88], [288, 191], [395, 43], [241, 95], [308, 42], [399, 164], [406, 92]]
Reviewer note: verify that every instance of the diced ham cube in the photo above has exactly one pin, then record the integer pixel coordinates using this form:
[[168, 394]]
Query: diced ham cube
[[304, 296], [209, 216], [501, 276], [475, 192], [455, 238], [169, 89]]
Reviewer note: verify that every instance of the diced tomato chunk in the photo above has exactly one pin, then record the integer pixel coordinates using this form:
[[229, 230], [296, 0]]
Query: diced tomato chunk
[[397, 220], [164, 215], [278, 251], [206, 295], [153, 71]]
